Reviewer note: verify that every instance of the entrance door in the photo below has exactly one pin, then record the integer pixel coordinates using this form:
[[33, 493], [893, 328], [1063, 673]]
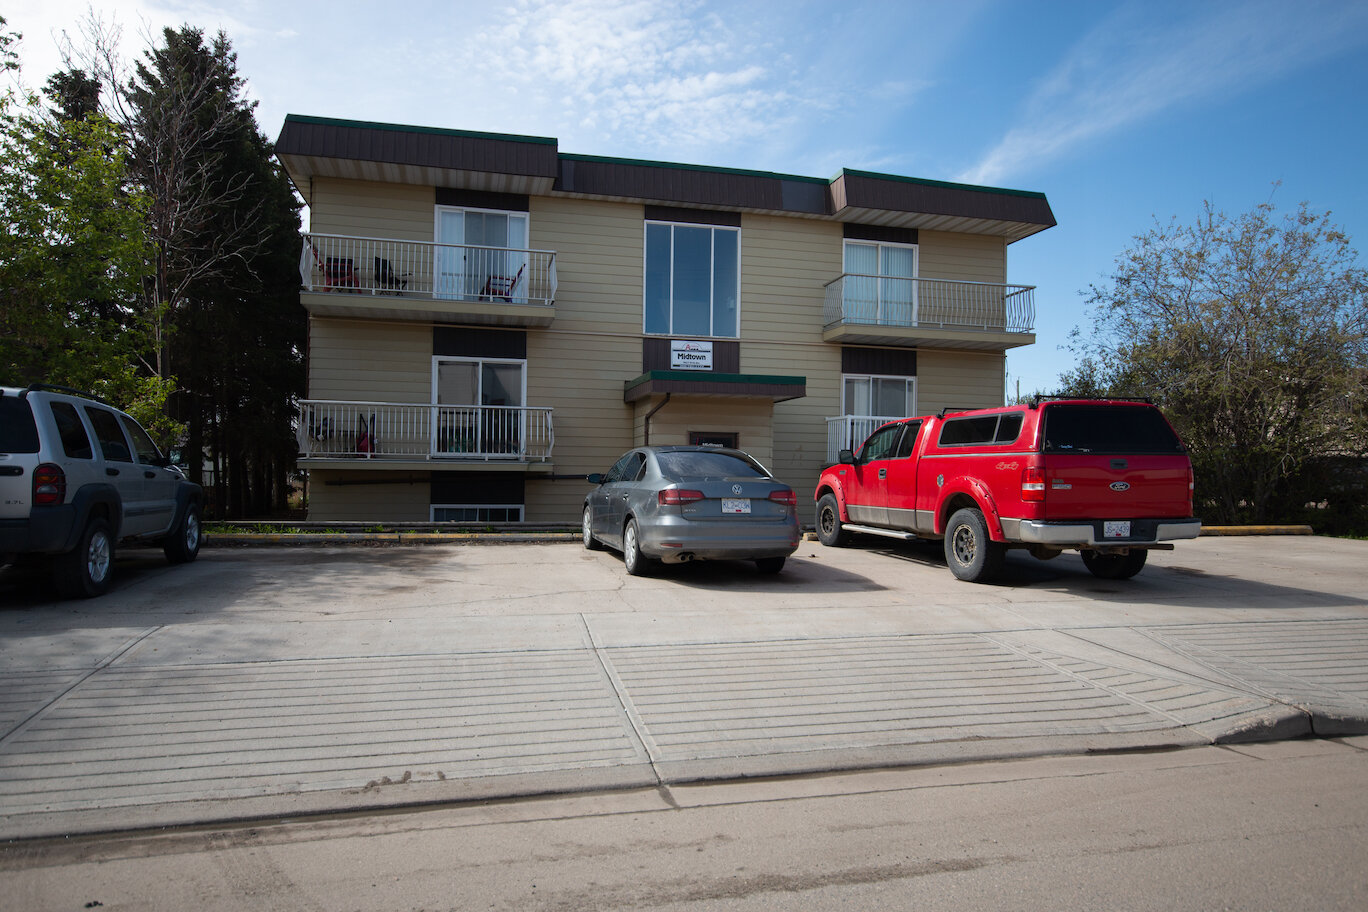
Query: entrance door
[[882, 285], [479, 407]]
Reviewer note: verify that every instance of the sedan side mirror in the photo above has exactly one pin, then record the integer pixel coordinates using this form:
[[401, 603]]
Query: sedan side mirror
[[596, 478], [845, 457]]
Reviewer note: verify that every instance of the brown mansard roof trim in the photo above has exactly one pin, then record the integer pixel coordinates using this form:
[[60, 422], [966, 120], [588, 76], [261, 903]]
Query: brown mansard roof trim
[[495, 162]]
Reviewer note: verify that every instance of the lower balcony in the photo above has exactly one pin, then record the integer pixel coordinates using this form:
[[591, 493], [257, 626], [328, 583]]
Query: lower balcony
[[928, 313], [416, 280], [849, 431], [399, 435]]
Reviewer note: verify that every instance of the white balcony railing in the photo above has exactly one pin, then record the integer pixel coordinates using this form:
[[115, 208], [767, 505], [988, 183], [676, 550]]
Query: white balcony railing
[[849, 431], [458, 272], [329, 429], [939, 303]]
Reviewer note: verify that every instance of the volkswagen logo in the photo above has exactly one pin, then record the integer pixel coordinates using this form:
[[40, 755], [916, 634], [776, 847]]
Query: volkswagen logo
[[1119, 486], [736, 489]]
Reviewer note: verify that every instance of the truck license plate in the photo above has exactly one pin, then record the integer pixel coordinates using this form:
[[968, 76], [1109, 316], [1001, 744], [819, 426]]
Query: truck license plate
[[736, 505], [1116, 529]]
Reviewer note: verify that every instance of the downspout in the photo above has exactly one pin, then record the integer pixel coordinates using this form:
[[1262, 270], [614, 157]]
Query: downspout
[[647, 432]]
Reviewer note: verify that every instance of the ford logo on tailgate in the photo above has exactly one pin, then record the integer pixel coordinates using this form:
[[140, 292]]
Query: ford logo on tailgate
[[1119, 486]]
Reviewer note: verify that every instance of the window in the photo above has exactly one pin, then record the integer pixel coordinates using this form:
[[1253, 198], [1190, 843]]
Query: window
[[630, 467], [885, 397], [882, 444], [18, 431], [75, 440], [881, 282], [477, 513], [489, 256], [692, 280], [1120, 429], [143, 446], [692, 465], [981, 430], [112, 441]]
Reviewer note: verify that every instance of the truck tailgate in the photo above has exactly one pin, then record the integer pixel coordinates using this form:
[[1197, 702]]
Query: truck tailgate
[[1081, 486]]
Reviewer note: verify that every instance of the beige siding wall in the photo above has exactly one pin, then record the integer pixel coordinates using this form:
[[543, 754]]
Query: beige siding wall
[[959, 379], [599, 263], [370, 361], [370, 209], [961, 257], [395, 498]]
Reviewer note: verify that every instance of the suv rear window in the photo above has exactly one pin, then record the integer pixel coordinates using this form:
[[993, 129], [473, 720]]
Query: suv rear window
[[1112, 429], [18, 432]]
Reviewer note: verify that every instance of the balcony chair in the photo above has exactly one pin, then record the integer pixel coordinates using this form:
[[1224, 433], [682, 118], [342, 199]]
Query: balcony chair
[[337, 272], [497, 286], [386, 277]]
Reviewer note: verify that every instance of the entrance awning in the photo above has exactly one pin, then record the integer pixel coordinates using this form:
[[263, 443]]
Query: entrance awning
[[777, 388]]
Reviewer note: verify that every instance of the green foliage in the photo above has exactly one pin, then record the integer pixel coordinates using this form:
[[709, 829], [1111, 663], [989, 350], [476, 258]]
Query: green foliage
[[1252, 333]]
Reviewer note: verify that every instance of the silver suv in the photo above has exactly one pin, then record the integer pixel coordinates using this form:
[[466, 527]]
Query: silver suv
[[78, 476]]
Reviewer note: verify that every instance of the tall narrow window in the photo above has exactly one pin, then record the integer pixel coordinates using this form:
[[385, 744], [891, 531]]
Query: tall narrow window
[[881, 282], [692, 280]]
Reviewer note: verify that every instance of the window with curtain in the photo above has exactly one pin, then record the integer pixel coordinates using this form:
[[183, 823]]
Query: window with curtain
[[885, 397], [692, 280], [881, 282]]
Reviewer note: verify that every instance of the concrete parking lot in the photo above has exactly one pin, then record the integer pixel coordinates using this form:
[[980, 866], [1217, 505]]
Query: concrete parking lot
[[267, 681]]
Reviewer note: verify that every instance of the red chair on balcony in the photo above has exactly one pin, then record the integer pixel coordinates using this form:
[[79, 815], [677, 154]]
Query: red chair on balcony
[[502, 286], [337, 272]]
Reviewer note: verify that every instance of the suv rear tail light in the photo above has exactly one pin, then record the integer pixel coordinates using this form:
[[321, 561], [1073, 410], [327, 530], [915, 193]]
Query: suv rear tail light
[[674, 497], [787, 498], [1033, 484], [49, 485]]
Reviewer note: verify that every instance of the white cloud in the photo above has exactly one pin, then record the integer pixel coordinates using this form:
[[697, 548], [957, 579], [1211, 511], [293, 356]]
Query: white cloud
[[1139, 62]]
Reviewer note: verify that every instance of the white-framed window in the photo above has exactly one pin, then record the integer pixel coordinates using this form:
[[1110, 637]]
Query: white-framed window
[[484, 254], [884, 397], [693, 280], [491, 513], [881, 281], [478, 405]]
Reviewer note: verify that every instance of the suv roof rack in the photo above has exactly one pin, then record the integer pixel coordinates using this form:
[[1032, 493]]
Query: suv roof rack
[[55, 388], [951, 409]]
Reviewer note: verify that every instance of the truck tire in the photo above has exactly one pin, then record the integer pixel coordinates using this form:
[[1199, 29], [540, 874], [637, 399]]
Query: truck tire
[[1115, 566], [183, 544], [84, 571], [970, 552], [830, 531]]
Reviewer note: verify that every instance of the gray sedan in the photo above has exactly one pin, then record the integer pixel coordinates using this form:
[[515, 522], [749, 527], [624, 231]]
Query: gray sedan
[[674, 504]]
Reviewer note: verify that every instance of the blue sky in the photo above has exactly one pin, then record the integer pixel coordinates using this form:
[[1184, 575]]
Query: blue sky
[[1120, 113]]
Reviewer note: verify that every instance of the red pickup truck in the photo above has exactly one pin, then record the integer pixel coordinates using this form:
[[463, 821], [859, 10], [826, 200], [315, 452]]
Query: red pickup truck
[[1107, 477]]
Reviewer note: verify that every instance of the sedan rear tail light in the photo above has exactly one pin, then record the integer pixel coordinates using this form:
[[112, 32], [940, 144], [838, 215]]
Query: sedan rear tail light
[[787, 498], [674, 497], [49, 485], [1033, 484]]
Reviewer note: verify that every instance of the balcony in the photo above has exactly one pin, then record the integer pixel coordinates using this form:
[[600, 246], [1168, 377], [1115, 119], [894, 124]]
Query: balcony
[[404, 435], [928, 313], [849, 431], [421, 280]]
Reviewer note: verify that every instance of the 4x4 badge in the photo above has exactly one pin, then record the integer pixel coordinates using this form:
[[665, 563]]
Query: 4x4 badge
[[1119, 486]]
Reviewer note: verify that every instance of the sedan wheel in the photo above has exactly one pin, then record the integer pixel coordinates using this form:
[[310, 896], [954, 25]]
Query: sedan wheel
[[637, 563], [587, 531]]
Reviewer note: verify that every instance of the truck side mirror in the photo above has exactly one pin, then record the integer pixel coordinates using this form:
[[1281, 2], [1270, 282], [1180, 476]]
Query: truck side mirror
[[845, 457]]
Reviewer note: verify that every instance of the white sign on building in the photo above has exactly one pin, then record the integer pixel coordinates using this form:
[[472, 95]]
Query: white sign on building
[[686, 355]]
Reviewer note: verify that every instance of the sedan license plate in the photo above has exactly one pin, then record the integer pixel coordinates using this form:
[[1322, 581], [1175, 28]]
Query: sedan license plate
[[1116, 529], [736, 505]]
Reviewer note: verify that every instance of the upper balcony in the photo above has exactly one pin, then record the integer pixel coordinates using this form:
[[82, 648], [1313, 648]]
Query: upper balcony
[[928, 313], [417, 280]]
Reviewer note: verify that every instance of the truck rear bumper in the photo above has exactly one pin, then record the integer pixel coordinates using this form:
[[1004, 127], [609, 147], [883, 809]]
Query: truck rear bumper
[[1085, 534]]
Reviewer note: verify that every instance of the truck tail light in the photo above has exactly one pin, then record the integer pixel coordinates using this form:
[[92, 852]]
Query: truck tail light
[[1033, 484], [49, 485], [1192, 487], [787, 498], [676, 497]]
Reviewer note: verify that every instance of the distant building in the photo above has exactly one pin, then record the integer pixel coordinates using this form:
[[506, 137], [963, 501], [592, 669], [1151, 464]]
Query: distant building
[[490, 319]]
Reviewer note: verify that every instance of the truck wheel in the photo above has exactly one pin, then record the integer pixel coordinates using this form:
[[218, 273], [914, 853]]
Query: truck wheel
[[1115, 566], [969, 550], [637, 563], [183, 544], [84, 571], [830, 532]]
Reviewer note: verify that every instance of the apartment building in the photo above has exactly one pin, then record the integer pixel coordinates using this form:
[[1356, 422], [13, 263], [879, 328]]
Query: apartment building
[[491, 319]]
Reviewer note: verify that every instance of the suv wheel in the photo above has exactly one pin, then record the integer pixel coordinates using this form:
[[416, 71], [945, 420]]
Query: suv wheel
[[84, 571], [829, 529], [183, 544], [969, 550], [1115, 566]]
